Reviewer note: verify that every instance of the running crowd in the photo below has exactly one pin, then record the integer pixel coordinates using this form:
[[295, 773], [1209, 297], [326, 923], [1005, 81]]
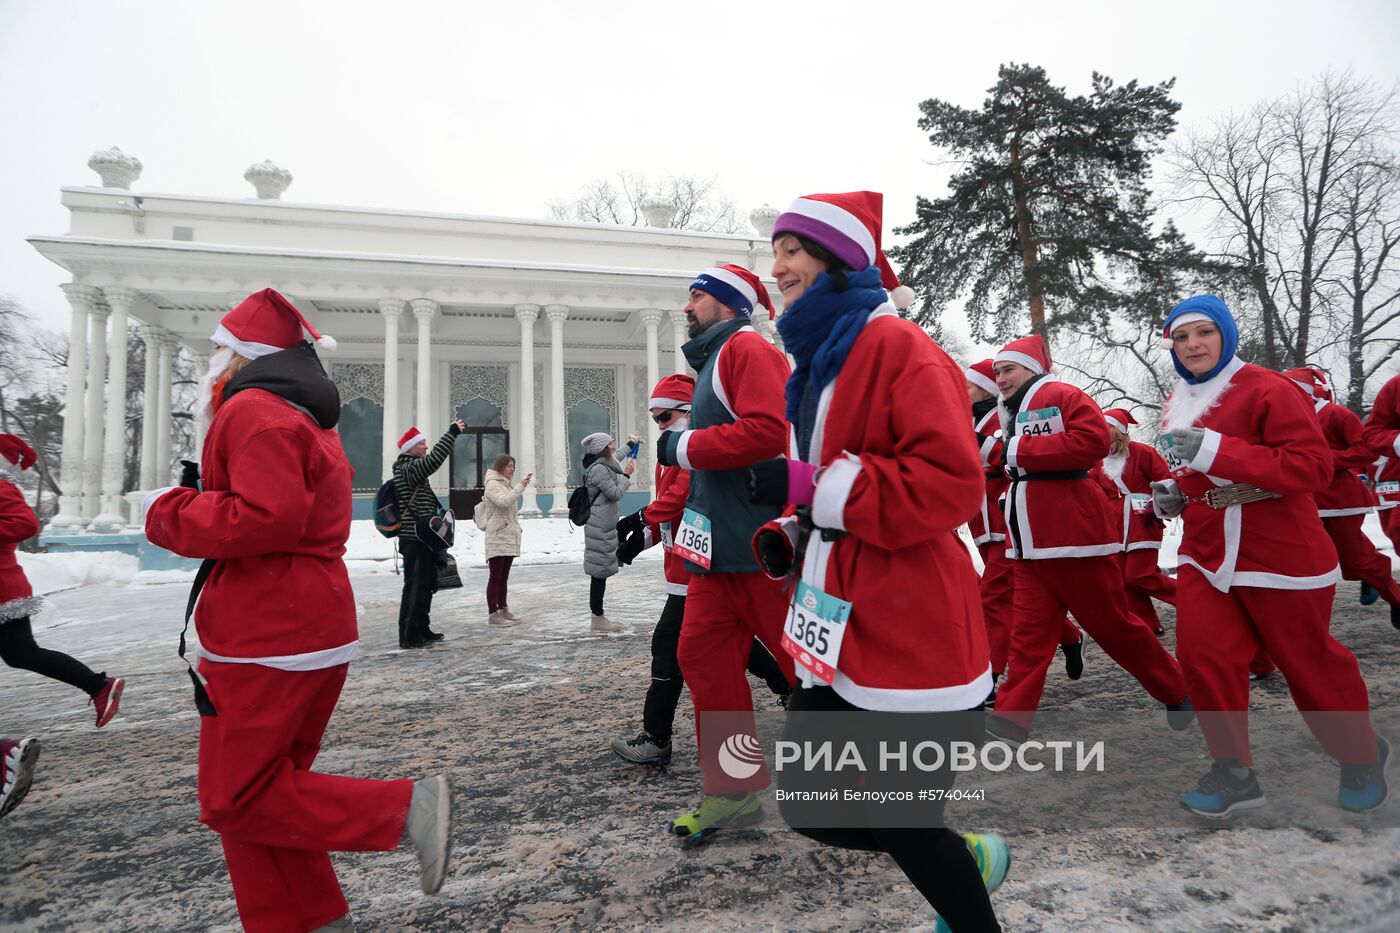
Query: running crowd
[[825, 487]]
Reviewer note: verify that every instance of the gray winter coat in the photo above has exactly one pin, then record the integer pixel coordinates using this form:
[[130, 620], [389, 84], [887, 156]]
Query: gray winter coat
[[604, 479]]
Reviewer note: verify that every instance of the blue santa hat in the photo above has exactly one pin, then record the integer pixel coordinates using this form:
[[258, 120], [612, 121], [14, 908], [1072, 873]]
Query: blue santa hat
[[735, 287], [1203, 308]]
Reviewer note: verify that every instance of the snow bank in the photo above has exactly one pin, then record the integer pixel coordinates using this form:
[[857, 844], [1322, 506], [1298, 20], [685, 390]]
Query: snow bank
[[66, 570]]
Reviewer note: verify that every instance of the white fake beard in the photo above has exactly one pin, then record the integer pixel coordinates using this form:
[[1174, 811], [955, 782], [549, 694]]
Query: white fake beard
[[217, 364], [680, 424], [1113, 465], [1190, 403]]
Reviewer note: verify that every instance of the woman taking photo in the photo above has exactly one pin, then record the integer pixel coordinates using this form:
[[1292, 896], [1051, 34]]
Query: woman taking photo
[[606, 477], [1257, 570], [502, 534], [883, 477]]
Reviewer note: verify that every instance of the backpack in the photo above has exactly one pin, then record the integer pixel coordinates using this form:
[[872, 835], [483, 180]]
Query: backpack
[[482, 513], [388, 517], [580, 506]]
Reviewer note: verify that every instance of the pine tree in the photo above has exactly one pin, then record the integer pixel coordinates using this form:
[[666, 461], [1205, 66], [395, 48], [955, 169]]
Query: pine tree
[[1050, 212]]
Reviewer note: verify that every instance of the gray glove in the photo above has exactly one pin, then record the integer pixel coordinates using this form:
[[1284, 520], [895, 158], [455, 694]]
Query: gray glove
[[1167, 500], [1186, 442]]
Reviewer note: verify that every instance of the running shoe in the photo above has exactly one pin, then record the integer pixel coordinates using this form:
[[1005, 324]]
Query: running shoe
[[1074, 659], [1180, 715], [1364, 787], [993, 861], [1369, 594], [1220, 794], [643, 750], [1006, 730], [108, 700], [717, 812], [429, 829], [17, 760]]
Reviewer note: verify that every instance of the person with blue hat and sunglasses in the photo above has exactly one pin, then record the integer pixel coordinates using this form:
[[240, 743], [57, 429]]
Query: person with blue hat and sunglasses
[[1257, 570]]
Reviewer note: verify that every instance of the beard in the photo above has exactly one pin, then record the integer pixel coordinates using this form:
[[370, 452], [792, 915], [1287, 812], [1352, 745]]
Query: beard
[[204, 403]]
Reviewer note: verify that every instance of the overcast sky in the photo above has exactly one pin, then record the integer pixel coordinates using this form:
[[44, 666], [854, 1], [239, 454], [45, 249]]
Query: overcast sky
[[496, 108]]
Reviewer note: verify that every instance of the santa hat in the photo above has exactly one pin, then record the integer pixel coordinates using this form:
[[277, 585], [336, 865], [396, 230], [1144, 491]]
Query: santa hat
[[597, 443], [847, 226], [674, 391], [983, 376], [1311, 381], [411, 438], [264, 323], [734, 287], [17, 452], [1031, 352], [1119, 418]]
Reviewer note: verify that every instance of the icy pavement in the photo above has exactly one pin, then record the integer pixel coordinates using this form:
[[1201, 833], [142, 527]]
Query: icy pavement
[[551, 830]]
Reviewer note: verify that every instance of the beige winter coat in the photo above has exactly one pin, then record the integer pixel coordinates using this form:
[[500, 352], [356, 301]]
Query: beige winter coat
[[502, 525]]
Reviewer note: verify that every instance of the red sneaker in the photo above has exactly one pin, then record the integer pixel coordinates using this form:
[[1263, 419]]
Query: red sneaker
[[108, 700], [17, 760]]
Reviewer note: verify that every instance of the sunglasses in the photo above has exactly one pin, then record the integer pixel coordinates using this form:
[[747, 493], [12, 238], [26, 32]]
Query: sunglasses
[[666, 416]]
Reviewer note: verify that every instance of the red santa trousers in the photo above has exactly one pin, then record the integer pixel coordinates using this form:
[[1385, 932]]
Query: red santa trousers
[[1092, 589], [277, 818], [998, 589], [1390, 524], [1144, 580], [1358, 556], [1217, 636], [724, 613]]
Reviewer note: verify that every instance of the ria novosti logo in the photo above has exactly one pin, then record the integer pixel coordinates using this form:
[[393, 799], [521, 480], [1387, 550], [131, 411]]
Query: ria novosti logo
[[740, 756]]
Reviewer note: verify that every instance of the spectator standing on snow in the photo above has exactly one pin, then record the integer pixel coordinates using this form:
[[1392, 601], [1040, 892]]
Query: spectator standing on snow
[[501, 504], [412, 468], [606, 477]]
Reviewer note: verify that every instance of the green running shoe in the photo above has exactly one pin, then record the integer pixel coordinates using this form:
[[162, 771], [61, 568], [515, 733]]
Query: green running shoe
[[718, 812], [993, 861]]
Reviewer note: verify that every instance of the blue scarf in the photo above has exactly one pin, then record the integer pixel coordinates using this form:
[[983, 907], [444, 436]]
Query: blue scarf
[[1219, 312], [820, 328]]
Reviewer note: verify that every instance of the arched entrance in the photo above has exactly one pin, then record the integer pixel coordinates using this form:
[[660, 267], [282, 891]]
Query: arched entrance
[[476, 448]]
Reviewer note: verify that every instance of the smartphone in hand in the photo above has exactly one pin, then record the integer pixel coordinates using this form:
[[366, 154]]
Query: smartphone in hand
[[633, 449]]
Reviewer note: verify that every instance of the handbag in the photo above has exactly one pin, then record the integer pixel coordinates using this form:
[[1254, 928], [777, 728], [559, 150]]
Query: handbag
[[438, 532], [447, 576]]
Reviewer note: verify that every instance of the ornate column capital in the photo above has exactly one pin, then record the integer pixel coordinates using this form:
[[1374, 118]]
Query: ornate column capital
[[100, 310], [557, 314], [677, 317], [82, 297], [652, 317], [151, 334], [527, 314], [392, 308], [424, 308], [120, 298]]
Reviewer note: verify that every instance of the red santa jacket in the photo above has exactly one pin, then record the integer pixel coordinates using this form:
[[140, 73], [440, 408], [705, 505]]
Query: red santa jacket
[[1053, 507], [900, 473], [275, 511], [1259, 430], [1382, 435], [988, 525], [17, 523], [661, 515], [1132, 475], [1347, 494]]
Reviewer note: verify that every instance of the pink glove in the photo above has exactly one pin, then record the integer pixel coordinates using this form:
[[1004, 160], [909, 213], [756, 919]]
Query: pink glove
[[802, 482]]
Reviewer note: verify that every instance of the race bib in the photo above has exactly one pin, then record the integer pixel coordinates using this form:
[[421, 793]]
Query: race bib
[[1142, 502], [1039, 422], [1174, 463], [667, 539], [693, 539], [816, 623], [1388, 488]]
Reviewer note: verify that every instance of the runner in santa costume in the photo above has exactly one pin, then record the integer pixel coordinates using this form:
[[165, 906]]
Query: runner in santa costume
[[670, 409], [886, 613], [1382, 435], [18, 602], [1257, 570], [1347, 500], [988, 528], [736, 420], [1063, 542], [277, 632], [1132, 468]]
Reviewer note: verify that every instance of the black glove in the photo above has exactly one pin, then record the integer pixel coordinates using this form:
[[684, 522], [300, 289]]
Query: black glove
[[629, 547], [189, 474], [774, 552], [768, 482], [666, 446], [630, 523], [453, 429]]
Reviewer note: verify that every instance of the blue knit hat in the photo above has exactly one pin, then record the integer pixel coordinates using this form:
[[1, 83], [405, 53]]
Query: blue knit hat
[[735, 287], [1203, 308]]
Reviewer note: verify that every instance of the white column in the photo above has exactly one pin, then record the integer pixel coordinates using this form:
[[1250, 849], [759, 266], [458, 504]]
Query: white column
[[112, 517], [201, 366], [92, 410], [651, 317], [679, 335], [392, 309], [151, 336], [423, 310], [70, 504], [525, 446], [168, 345], [557, 314]]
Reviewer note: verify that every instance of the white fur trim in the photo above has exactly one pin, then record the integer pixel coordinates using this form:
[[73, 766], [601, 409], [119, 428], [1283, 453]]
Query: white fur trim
[[1113, 465], [151, 498], [1190, 317], [326, 342], [245, 348], [1190, 403], [902, 296], [1024, 359], [675, 589], [309, 661], [1343, 513], [412, 442], [932, 699], [981, 382], [838, 218], [670, 404], [733, 281], [1205, 457], [20, 608], [1116, 423], [683, 450], [833, 491], [1396, 445]]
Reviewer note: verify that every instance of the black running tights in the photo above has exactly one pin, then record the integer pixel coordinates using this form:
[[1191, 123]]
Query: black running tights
[[18, 649], [596, 587]]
